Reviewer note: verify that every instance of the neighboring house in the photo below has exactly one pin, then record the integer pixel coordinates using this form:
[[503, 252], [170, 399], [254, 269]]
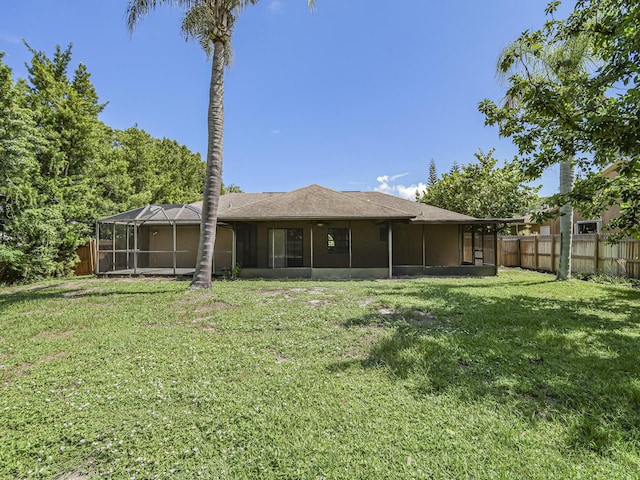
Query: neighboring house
[[312, 232], [581, 224]]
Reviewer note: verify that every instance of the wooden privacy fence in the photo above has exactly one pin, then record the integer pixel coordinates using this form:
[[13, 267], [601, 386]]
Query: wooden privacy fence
[[590, 254], [87, 255]]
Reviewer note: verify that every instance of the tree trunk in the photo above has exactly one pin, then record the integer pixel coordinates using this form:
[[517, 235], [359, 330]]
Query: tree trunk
[[566, 222], [213, 178]]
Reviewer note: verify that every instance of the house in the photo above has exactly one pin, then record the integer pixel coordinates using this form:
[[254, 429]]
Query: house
[[581, 224], [312, 232]]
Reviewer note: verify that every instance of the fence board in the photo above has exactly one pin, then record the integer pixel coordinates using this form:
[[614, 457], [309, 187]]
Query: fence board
[[87, 255], [590, 254]]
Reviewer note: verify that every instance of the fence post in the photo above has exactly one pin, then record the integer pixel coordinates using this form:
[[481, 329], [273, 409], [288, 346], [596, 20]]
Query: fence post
[[596, 254], [553, 254], [535, 253]]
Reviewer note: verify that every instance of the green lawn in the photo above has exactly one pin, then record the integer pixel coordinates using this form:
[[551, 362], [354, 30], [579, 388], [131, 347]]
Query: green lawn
[[516, 376]]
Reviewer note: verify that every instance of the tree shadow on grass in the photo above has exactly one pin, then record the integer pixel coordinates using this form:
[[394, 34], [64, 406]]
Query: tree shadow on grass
[[72, 293], [566, 359]]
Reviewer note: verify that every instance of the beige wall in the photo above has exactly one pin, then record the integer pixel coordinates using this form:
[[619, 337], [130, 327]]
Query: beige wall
[[223, 251], [367, 250], [442, 245]]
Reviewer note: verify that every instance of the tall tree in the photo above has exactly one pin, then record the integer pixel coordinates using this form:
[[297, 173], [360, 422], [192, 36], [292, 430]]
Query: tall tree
[[433, 174], [552, 68], [609, 108], [210, 22], [481, 189]]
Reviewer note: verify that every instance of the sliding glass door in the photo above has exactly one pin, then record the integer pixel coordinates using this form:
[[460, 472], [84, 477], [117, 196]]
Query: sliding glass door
[[285, 247]]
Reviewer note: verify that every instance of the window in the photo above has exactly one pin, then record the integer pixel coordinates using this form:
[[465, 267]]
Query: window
[[588, 226], [338, 240]]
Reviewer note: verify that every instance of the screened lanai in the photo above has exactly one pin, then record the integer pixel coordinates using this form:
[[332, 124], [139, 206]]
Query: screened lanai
[[152, 240]]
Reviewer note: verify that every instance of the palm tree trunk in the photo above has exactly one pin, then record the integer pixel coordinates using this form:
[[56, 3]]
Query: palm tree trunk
[[213, 178], [566, 222]]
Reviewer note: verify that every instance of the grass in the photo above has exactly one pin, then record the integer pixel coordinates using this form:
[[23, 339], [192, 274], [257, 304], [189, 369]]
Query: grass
[[516, 376]]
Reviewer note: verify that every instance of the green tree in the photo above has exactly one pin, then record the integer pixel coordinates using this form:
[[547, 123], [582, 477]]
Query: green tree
[[38, 231], [481, 189], [542, 138], [61, 168], [18, 167], [210, 22], [603, 117], [611, 125], [232, 188], [433, 174]]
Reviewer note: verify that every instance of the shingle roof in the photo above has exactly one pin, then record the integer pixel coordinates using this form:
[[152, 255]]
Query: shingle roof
[[318, 203], [421, 212], [309, 203]]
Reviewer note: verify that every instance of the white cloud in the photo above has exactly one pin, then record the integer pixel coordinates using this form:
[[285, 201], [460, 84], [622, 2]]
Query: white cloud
[[386, 185], [8, 38], [387, 178], [276, 6], [275, 132]]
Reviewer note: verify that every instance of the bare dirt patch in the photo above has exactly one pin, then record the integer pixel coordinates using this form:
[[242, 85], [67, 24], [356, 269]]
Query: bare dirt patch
[[413, 316], [23, 369], [320, 302], [83, 472], [288, 292], [54, 335]]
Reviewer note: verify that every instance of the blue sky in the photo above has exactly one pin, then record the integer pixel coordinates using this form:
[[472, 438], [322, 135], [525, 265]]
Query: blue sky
[[356, 96]]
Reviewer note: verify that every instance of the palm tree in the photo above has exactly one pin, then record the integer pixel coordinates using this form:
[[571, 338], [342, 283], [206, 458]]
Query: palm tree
[[210, 22], [552, 65]]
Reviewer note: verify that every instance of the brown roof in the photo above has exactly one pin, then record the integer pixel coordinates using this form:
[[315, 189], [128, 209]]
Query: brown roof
[[309, 203], [320, 203], [422, 212]]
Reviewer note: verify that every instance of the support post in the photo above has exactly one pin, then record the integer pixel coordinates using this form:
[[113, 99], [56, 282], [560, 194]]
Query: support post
[[553, 254], [113, 248], [127, 240], [390, 242], [174, 248], [97, 266], [135, 247], [233, 249], [311, 238], [495, 248], [596, 253], [350, 247], [424, 249]]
